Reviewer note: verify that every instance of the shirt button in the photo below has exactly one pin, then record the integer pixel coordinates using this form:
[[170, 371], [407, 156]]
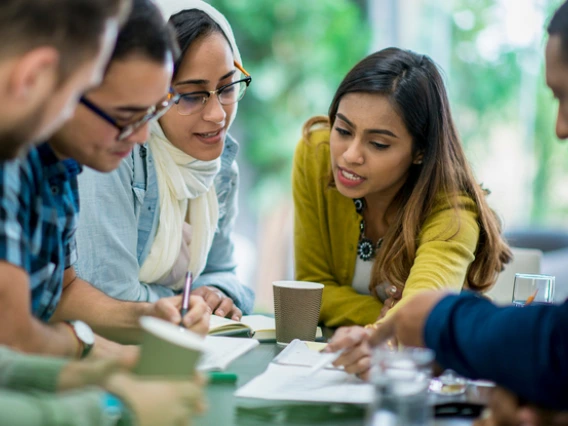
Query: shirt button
[[55, 190]]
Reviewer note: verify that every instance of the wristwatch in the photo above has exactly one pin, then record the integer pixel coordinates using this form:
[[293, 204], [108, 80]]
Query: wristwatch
[[84, 335]]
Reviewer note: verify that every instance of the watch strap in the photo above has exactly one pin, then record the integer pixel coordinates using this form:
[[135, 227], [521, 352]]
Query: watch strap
[[84, 348]]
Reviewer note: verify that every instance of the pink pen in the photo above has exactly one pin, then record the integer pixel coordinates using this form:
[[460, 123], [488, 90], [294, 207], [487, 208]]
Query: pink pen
[[185, 297]]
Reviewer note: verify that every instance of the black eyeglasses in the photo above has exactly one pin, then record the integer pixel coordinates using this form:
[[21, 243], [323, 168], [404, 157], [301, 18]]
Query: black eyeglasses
[[125, 131], [194, 102]]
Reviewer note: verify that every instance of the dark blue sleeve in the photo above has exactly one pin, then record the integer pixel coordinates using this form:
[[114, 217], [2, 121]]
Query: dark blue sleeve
[[522, 349]]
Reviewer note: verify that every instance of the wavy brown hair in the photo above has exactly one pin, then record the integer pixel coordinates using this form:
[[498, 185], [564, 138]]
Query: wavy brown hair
[[416, 91]]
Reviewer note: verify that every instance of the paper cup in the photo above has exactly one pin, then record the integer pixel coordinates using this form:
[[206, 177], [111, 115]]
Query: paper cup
[[168, 351], [296, 309]]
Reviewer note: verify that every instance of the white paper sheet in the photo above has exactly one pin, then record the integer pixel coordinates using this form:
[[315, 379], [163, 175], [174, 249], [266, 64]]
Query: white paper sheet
[[302, 354], [286, 379], [289, 383], [221, 351]]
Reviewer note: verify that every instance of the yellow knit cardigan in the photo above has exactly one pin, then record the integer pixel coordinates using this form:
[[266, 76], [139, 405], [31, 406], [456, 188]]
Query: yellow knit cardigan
[[326, 233]]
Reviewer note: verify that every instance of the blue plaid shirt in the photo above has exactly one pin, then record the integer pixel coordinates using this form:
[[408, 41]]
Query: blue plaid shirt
[[39, 205]]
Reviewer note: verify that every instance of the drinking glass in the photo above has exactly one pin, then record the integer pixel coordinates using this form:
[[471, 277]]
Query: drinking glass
[[533, 289], [401, 379]]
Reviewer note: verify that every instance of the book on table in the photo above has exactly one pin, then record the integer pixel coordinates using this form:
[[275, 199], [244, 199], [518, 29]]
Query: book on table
[[259, 327]]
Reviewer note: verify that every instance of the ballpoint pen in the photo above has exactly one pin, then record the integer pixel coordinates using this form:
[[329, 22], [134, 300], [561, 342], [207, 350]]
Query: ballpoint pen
[[326, 358], [185, 297]]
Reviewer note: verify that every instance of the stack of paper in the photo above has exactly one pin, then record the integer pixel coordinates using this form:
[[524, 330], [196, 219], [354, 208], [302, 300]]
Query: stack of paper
[[286, 379]]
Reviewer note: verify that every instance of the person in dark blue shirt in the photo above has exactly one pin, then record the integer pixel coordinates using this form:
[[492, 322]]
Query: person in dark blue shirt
[[524, 350]]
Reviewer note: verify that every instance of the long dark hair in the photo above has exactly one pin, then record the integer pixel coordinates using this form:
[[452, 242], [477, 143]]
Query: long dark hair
[[191, 25], [416, 91]]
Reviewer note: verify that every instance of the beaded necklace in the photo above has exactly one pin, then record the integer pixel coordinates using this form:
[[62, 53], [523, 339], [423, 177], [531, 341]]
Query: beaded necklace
[[365, 248]]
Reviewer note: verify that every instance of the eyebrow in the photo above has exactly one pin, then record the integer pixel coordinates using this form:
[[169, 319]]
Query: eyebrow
[[203, 82], [372, 131]]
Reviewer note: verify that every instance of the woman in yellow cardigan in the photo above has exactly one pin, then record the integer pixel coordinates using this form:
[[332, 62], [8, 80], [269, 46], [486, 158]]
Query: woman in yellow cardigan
[[386, 204]]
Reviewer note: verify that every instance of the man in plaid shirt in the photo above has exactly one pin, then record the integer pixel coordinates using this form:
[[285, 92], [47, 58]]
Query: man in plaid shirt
[[39, 206]]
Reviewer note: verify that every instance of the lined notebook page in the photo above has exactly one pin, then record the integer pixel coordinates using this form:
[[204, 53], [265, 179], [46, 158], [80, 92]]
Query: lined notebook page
[[221, 351]]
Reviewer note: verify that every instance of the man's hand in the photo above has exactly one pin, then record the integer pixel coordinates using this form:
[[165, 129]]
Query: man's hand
[[86, 372], [220, 304], [407, 324], [155, 402], [196, 320], [124, 355], [505, 410], [356, 357]]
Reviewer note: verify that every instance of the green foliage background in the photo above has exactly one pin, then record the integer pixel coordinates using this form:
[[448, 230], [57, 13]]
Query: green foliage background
[[297, 52], [491, 90]]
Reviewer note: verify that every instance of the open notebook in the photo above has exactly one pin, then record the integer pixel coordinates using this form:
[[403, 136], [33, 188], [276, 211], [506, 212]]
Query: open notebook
[[259, 327], [219, 352]]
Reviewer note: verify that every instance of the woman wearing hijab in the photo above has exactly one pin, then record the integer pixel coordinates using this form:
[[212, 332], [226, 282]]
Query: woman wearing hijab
[[171, 206]]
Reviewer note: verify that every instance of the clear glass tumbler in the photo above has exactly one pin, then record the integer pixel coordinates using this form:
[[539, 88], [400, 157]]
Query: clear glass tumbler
[[401, 379], [533, 289]]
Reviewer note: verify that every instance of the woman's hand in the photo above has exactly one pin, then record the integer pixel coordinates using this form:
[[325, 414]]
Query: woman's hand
[[220, 304], [394, 295], [356, 358]]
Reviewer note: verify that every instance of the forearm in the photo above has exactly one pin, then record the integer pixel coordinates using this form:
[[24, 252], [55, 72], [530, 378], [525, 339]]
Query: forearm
[[23, 372], [111, 318], [522, 349], [343, 306], [79, 408], [35, 337]]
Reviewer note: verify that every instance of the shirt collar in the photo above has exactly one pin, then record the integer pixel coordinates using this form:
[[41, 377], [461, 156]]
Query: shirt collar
[[54, 167], [231, 149]]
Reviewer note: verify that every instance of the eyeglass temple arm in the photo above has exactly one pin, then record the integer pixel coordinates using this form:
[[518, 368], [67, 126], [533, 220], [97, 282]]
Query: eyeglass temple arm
[[241, 69]]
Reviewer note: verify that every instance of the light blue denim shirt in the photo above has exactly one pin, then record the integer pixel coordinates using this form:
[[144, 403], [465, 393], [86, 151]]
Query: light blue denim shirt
[[118, 223]]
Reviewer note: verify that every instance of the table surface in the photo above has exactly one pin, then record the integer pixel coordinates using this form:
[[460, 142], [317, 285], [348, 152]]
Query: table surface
[[224, 409]]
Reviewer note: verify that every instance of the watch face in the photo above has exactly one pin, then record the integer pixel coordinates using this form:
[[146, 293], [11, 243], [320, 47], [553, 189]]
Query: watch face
[[84, 332]]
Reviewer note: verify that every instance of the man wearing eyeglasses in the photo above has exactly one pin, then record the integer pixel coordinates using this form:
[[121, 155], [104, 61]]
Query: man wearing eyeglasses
[[39, 210]]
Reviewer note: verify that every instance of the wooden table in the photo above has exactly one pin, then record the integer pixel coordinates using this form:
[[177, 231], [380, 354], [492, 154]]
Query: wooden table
[[226, 410]]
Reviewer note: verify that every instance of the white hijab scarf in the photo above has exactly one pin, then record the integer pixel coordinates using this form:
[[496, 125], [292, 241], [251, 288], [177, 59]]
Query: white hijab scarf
[[185, 184]]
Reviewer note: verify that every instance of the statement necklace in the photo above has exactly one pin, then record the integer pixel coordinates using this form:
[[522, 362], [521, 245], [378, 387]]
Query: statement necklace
[[365, 248]]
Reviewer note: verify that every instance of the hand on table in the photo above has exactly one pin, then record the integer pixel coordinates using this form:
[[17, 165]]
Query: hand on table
[[505, 410], [220, 304], [196, 320], [125, 356], [356, 358], [407, 324], [155, 402]]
